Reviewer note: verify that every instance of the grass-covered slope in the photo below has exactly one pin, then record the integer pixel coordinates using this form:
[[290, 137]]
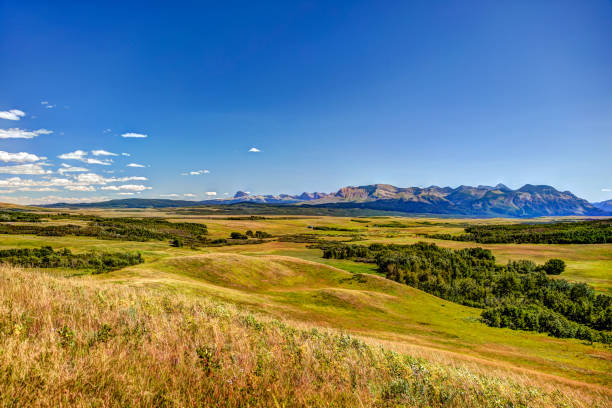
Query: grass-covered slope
[[369, 305], [88, 343]]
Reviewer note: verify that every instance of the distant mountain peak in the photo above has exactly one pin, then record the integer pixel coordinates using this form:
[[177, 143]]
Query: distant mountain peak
[[482, 201], [241, 194]]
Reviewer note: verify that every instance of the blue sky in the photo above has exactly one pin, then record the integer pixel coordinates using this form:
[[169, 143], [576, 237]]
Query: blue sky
[[337, 93]]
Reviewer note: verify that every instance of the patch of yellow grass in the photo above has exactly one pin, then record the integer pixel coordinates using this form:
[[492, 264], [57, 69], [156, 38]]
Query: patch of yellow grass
[[87, 343]]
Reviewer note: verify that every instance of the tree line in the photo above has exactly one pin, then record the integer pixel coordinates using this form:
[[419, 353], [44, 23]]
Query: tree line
[[583, 232], [519, 295], [46, 257], [120, 228]]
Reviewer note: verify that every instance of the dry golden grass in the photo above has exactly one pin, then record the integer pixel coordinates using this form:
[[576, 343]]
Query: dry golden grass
[[84, 342]]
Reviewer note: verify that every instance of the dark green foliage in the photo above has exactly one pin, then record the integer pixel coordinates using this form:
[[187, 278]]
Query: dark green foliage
[[262, 234], [19, 216], [238, 235], [46, 257], [471, 277], [554, 266], [584, 232], [121, 228], [326, 228], [177, 243]]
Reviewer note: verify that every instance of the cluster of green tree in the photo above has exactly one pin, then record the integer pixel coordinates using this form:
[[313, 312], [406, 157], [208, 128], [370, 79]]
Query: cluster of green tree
[[583, 232], [121, 228], [328, 228], [19, 216], [46, 257], [250, 234], [360, 221], [517, 295]]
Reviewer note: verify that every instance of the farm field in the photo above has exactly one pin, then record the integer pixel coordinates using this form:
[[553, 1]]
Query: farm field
[[290, 281]]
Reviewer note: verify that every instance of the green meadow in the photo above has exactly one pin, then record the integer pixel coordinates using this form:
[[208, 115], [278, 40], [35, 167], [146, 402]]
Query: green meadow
[[291, 282]]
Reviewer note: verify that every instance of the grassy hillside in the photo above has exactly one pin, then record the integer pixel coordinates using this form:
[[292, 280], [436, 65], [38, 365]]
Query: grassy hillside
[[292, 283], [88, 343]]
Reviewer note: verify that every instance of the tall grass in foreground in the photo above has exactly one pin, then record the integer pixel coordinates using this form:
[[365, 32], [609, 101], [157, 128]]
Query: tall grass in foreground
[[85, 343]]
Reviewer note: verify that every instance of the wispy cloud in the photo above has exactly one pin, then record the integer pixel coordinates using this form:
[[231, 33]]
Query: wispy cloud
[[169, 195], [31, 169], [13, 114], [50, 200], [195, 173], [76, 155], [606, 190], [15, 133], [134, 135], [80, 188], [189, 195], [211, 193], [81, 155], [136, 165], [47, 105], [66, 168], [126, 154], [131, 187], [254, 150], [103, 153], [21, 157]]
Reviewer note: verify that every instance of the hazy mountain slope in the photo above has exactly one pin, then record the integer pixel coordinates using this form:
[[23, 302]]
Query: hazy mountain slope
[[482, 201], [604, 205]]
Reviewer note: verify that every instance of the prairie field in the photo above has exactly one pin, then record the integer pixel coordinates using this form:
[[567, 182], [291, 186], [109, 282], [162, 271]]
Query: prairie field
[[273, 323]]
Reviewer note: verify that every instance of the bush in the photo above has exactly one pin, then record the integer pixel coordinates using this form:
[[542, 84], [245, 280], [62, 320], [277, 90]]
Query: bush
[[554, 266]]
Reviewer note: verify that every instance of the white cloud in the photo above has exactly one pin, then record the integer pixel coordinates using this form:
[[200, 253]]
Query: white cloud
[[44, 102], [47, 104], [66, 168], [606, 190], [76, 155], [189, 195], [132, 187], [211, 193], [50, 200], [254, 150], [134, 135], [126, 194], [15, 133], [103, 153], [106, 131], [169, 195], [37, 189], [21, 157], [13, 114], [135, 165], [81, 155], [196, 173], [126, 154], [24, 169], [89, 160], [80, 188], [132, 178]]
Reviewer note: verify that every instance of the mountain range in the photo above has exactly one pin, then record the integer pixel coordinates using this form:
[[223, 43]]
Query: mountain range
[[481, 201], [604, 205]]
